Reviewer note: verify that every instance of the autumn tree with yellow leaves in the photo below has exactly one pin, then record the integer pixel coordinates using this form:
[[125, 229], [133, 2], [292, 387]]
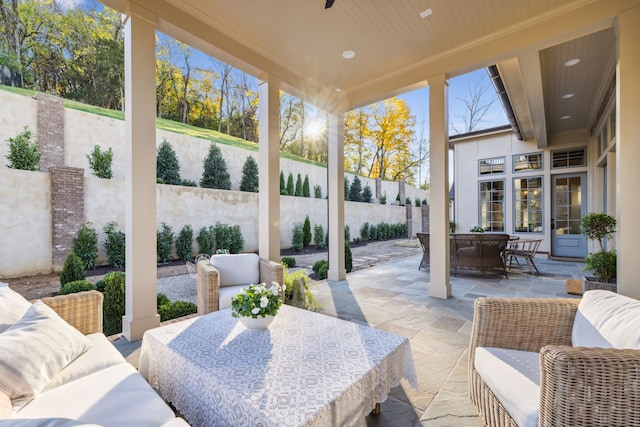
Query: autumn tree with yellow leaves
[[378, 141]]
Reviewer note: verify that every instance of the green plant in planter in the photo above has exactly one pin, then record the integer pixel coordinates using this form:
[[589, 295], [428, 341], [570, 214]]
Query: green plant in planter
[[476, 229], [600, 227]]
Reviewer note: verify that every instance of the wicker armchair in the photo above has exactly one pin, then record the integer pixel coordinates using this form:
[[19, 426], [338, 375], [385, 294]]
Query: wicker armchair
[[579, 386], [82, 310], [209, 282]]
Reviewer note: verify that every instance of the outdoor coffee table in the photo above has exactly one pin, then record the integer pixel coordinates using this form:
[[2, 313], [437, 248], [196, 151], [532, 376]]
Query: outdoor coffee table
[[306, 369]]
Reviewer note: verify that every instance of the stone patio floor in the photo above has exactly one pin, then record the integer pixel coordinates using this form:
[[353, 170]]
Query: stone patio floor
[[392, 294]]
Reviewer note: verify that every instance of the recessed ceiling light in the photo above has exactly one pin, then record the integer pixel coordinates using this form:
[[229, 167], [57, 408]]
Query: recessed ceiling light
[[567, 95], [571, 62], [348, 54], [565, 117], [337, 90], [426, 13]]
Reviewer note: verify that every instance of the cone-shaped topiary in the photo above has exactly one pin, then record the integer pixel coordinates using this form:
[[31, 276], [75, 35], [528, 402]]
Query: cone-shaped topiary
[[306, 191], [249, 181], [306, 232], [290, 189], [167, 165], [215, 174], [283, 187]]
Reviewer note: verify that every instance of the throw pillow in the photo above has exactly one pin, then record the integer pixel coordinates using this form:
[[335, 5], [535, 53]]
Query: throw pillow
[[34, 350], [12, 306], [606, 319]]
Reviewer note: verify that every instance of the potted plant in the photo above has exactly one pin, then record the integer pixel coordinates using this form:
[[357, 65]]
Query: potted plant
[[602, 264], [476, 229], [257, 305]]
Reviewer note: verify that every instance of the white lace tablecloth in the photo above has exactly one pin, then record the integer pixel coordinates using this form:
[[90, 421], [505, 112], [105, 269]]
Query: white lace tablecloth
[[307, 369]]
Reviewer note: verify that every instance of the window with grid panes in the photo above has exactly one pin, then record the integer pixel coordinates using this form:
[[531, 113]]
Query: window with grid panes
[[569, 158], [527, 162], [528, 205], [492, 205], [491, 166]]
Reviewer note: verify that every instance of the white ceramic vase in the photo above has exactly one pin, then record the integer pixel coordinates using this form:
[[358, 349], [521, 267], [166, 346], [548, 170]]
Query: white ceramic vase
[[260, 323]]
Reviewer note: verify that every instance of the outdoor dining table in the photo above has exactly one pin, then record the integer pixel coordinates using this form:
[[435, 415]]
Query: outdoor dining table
[[306, 369]]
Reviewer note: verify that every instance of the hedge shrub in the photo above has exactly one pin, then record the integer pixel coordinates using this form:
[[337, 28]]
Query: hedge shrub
[[114, 302], [72, 270], [85, 245], [76, 286]]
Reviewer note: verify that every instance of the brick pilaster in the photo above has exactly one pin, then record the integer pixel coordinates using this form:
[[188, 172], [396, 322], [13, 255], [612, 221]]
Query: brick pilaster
[[425, 218], [50, 131], [401, 192], [67, 210]]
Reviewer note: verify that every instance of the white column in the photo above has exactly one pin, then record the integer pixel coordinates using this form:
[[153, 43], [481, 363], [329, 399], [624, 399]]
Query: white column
[[140, 179], [335, 186], [269, 169], [628, 152], [440, 286]]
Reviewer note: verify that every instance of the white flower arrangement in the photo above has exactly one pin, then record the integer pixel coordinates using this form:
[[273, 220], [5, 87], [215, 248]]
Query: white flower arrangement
[[257, 300]]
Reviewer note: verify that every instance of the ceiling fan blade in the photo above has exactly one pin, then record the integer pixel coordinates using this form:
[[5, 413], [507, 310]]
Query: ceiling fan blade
[[329, 4]]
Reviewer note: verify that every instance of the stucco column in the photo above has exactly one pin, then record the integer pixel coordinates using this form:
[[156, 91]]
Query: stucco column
[[440, 286], [628, 152], [269, 169], [335, 203], [140, 176]]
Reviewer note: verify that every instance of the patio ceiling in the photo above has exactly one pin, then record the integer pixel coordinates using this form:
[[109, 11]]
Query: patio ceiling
[[301, 44]]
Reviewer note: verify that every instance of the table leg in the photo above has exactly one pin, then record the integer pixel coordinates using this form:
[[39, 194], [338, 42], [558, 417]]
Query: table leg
[[376, 409]]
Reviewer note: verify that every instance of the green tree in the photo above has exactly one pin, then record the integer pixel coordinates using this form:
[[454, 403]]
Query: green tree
[[290, 188], [317, 192], [100, 162], [23, 153], [167, 164], [306, 232], [355, 190], [115, 245], [164, 242], [283, 187], [298, 190], [366, 194], [250, 181], [114, 302], [305, 187], [215, 173], [346, 188]]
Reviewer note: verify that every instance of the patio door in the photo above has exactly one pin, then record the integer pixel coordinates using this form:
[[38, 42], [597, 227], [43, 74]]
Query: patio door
[[569, 204]]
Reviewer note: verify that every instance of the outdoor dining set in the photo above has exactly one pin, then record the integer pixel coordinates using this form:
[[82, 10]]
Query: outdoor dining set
[[485, 253]]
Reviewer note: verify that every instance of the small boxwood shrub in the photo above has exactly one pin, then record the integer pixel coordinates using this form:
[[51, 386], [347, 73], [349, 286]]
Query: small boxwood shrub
[[320, 268], [317, 192], [23, 153], [114, 245], [100, 162], [72, 270], [85, 245], [114, 302], [76, 286], [366, 194], [288, 261], [188, 183], [205, 240], [174, 309], [164, 242], [297, 240], [348, 259], [184, 243], [318, 236], [364, 231]]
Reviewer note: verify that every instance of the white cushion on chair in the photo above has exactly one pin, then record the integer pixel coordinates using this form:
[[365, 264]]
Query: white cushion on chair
[[12, 306], [606, 319], [237, 269], [514, 378]]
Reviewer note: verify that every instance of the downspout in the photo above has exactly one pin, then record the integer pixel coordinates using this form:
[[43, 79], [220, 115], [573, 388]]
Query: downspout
[[494, 74]]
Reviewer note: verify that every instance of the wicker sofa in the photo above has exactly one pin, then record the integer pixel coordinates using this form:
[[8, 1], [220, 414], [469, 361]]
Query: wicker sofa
[[97, 387], [556, 362]]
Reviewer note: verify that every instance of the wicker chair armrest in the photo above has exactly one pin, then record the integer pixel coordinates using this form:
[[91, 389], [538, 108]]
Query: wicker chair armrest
[[525, 324], [82, 310], [208, 287], [589, 386], [271, 271]]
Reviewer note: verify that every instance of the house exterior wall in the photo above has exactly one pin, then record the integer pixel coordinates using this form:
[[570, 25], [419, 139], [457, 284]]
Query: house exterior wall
[[467, 179]]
